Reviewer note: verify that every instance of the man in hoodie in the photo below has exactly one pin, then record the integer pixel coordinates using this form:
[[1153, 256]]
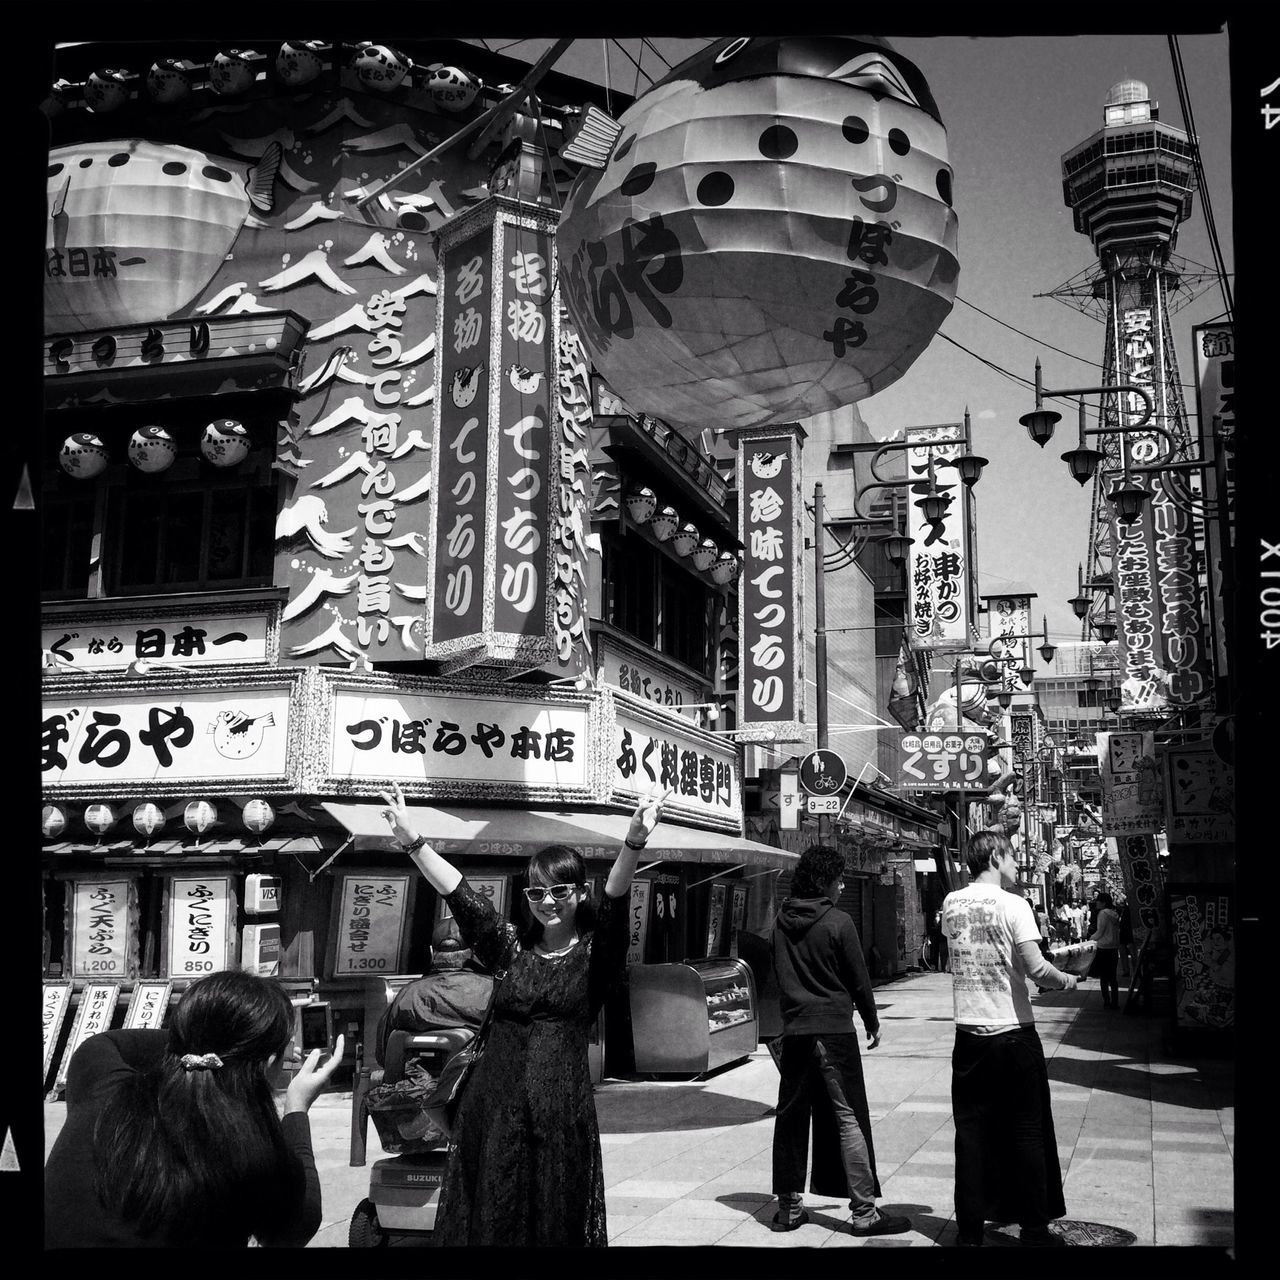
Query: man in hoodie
[[821, 976], [1006, 1152]]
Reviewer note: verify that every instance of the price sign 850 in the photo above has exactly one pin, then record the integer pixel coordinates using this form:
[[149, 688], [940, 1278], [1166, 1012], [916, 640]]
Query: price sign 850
[[943, 762]]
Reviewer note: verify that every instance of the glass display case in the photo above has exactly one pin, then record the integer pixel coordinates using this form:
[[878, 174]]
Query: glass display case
[[692, 1017]]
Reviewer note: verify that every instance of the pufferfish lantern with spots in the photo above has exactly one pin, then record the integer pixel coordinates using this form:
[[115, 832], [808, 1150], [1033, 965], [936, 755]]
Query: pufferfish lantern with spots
[[771, 235]]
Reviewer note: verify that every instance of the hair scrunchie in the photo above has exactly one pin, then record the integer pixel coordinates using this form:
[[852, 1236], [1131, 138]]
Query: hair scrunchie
[[200, 1061]]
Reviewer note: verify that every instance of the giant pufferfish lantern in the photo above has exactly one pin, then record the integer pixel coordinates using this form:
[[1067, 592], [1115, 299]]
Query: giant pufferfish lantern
[[771, 235]]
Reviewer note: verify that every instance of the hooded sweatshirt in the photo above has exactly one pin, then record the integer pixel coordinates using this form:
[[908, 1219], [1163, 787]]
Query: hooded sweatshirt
[[821, 973]]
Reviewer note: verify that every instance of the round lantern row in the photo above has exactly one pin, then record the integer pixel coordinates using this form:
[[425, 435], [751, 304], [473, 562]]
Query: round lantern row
[[232, 72], [686, 540], [148, 818], [224, 443]]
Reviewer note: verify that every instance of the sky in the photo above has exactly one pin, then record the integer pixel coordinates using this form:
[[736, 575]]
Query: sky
[[1012, 106]]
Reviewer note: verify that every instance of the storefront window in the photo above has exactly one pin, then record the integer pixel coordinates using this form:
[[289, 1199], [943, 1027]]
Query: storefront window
[[66, 538]]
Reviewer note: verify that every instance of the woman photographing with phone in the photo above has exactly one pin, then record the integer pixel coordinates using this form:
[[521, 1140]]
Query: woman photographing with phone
[[172, 1138], [524, 1166]]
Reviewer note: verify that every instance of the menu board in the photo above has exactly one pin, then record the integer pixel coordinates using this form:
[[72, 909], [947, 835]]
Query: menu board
[[198, 933], [638, 920], [96, 1009], [55, 1004], [148, 1006], [371, 911], [103, 927]]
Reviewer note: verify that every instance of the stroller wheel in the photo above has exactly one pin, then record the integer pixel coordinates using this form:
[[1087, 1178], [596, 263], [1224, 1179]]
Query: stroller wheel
[[365, 1231]]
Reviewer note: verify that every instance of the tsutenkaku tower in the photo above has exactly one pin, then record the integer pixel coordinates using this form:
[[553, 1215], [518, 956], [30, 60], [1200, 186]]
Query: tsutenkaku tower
[[1129, 186]]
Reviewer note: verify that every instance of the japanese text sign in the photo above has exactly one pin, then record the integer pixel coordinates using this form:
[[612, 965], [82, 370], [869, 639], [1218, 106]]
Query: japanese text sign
[[148, 1006], [95, 1012], [1203, 935], [770, 616], [1140, 870], [370, 934], [943, 762], [638, 920], [195, 639], [940, 564], [55, 1002], [1132, 800], [1200, 795], [200, 918], [1009, 631], [102, 927]]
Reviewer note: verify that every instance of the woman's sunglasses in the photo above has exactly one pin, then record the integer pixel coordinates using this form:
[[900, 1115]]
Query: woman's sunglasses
[[558, 892]]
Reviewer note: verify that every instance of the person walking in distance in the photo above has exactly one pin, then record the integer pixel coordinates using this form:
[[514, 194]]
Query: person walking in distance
[[821, 977], [1106, 937], [1006, 1151]]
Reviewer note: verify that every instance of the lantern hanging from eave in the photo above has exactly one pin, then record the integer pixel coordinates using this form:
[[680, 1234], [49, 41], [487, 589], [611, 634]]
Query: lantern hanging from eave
[[665, 523], [83, 456], [58, 98], [771, 237], [168, 81], [299, 62], [106, 90], [53, 821], [686, 539], [641, 504], [99, 818], [452, 89], [199, 816], [258, 816], [225, 442], [163, 216], [380, 67], [230, 72], [725, 568], [151, 449], [148, 818], [705, 555]]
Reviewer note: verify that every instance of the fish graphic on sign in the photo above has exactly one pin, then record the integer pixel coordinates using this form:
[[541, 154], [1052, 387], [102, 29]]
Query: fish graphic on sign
[[237, 736]]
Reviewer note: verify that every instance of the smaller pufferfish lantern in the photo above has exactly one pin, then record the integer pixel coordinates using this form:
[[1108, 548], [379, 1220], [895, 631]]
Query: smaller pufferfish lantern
[[380, 67], [99, 818], [726, 568], [665, 523], [106, 89], [230, 72], [641, 504], [148, 818], [152, 449], [59, 96], [199, 816], [83, 456], [225, 442], [53, 821], [168, 81], [452, 89], [705, 555], [299, 62], [686, 539], [258, 816]]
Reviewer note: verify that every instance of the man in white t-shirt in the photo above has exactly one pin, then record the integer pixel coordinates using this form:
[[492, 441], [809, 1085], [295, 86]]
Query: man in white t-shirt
[[1006, 1151]]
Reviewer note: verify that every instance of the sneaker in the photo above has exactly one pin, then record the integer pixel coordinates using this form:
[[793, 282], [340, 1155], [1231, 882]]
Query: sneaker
[[1041, 1238], [885, 1224], [785, 1222]]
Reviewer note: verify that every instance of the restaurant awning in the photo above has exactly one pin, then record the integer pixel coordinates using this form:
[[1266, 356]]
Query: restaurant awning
[[190, 846], [517, 833]]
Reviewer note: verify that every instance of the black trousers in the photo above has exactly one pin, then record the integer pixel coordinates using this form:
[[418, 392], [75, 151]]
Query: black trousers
[[1105, 960], [1006, 1151]]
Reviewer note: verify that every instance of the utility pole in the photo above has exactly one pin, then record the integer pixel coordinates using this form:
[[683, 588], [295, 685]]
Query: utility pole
[[962, 807], [820, 639]]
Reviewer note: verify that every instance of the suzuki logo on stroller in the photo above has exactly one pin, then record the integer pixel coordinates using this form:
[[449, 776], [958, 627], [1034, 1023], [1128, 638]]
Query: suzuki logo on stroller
[[428, 1179]]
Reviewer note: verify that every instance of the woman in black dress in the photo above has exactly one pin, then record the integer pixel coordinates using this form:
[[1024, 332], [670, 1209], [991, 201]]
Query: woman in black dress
[[524, 1167]]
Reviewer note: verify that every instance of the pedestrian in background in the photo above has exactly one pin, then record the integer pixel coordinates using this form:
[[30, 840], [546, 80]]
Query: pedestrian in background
[[1128, 957], [821, 977], [524, 1166], [172, 1138], [1106, 937], [1006, 1151]]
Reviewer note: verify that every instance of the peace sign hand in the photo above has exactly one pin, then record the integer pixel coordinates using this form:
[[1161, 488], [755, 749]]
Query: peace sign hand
[[645, 818], [397, 814]]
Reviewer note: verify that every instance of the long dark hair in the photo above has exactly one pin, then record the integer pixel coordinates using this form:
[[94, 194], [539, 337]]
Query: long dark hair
[[186, 1152], [559, 864]]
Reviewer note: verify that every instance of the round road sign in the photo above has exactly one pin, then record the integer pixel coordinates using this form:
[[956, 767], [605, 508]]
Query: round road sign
[[822, 772]]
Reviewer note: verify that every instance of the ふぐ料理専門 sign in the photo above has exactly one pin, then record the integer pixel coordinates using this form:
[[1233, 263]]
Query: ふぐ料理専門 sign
[[497, 451], [770, 654]]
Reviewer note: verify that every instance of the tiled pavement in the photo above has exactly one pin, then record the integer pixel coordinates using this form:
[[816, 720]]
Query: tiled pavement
[[1145, 1140]]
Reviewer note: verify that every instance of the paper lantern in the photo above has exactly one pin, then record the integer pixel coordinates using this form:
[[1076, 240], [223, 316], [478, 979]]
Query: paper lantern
[[148, 818], [704, 555], [299, 62], [58, 98], [83, 456], [687, 538], [641, 504], [199, 816], [380, 67], [225, 442], [151, 449], [665, 523], [99, 818], [771, 236], [258, 816], [452, 89], [230, 72], [166, 215], [726, 568], [168, 81], [53, 821], [106, 90]]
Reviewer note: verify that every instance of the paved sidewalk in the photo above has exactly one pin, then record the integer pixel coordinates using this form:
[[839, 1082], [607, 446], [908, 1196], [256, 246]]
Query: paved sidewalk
[[1145, 1141]]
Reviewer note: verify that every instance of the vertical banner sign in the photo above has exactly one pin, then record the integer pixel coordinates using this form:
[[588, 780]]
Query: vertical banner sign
[[54, 1006], [789, 800], [1200, 795], [715, 916], [148, 1006], [1153, 560], [738, 912], [1022, 739], [460, 444], [770, 615], [939, 596], [638, 921], [1143, 885], [1214, 346], [371, 911], [1132, 798], [101, 928], [497, 455], [1010, 616], [94, 1014], [199, 920], [1203, 927]]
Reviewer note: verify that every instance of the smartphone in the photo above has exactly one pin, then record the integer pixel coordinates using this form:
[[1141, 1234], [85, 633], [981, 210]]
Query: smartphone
[[317, 1026]]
